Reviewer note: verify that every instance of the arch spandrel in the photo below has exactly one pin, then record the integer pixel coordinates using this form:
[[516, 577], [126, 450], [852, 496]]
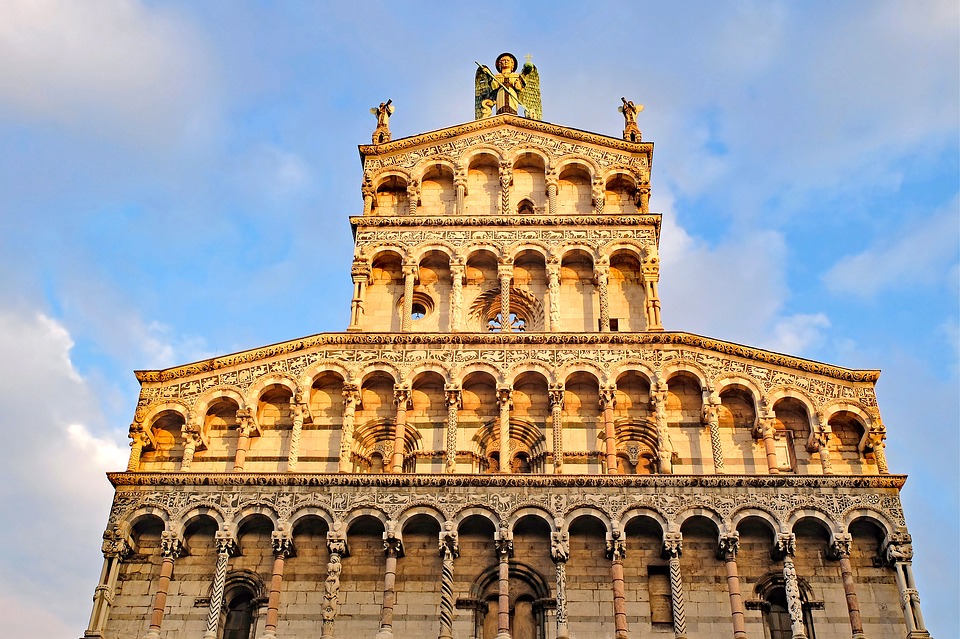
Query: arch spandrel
[[347, 373], [313, 510], [872, 515], [705, 512], [641, 512], [416, 510], [261, 384], [823, 518], [753, 512], [778, 393], [202, 404], [154, 411], [531, 510], [587, 511]]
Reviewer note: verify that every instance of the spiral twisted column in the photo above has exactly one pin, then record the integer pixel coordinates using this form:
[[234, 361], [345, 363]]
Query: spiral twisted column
[[454, 401], [226, 546], [673, 548], [449, 550], [556, 416]]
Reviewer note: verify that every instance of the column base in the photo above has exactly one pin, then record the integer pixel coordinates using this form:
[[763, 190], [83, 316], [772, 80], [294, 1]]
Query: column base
[[152, 634], [563, 632], [268, 634], [210, 635], [385, 633], [919, 634], [503, 635]]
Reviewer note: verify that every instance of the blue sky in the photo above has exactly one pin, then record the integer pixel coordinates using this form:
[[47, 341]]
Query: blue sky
[[175, 181]]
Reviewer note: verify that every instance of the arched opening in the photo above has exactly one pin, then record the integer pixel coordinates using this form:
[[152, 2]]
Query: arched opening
[[363, 570], [626, 292], [575, 196], [529, 184], [167, 452], [578, 292], [326, 427], [384, 290], [275, 418], [684, 407], [438, 195], [432, 293], [220, 425], [792, 425], [651, 589], [483, 186], [847, 435], [392, 197], [582, 422], [588, 578], [418, 576], [479, 396], [737, 415], [619, 195], [428, 414]]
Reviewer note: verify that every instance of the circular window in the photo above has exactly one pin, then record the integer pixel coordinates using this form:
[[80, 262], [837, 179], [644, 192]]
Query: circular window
[[421, 307]]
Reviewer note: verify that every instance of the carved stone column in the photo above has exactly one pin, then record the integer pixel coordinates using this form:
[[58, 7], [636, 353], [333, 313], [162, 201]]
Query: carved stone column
[[711, 419], [553, 286], [786, 547], [300, 411], [819, 442], [139, 439], [650, 268], [454, 401], [282, 548], [191, 442], [643, 198], [658, 400], [337, 545], [602, 276], [673, 548], [729, 545], [616, 551], [401, 397], [597, 196], [504, 544], [115, 550], [556, 416], [171, 547], [875, 438], [351, 400], [360, 273], [369, 194], [505, 274], [456, 296], [460, 183], [449, 550], [899, 554], [504, 399], [560, 552], [608, 400], [553, 183], [766, 430], [840, 549], [506, 179], [409, 278], [246, 428], [413, 197], [226, 547], [393, 548]]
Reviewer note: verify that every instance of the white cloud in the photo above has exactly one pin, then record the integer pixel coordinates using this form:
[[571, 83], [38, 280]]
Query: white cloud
[[53, 487], [111, 66], [917, 255]]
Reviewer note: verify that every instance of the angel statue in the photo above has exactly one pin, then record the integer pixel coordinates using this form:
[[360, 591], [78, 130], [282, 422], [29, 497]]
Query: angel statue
[[508, 90], [383, 112]]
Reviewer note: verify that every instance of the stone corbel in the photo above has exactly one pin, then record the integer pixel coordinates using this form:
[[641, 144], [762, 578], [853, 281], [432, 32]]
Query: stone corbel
[[298, 403], [616, 542], [172, 544], [117, 542], [819, 434], [898, 547]]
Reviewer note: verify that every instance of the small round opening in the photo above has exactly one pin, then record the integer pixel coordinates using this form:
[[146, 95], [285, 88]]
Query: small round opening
[[419, 311]]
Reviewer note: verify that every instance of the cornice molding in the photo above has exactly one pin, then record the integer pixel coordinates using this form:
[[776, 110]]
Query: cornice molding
[[476, 126], [652, 219], [652, 338], [461, 480]]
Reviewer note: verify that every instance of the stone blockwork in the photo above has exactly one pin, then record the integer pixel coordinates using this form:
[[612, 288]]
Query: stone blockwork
[[505, 443]]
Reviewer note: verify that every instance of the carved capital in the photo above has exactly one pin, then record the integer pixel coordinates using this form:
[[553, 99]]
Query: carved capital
[[282, 544], [899, 548], [556, 395], [337, 544], [504, 396], [360, 269], [560, 546], [785, 544], [728, 546], [672, 544], [225, 543], [840, 545], [401, 396], [608, 397], [504, 546], [449, 542], [171, 545], [453, 395]]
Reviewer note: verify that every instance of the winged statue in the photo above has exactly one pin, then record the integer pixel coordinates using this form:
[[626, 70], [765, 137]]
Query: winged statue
[[507, 90]]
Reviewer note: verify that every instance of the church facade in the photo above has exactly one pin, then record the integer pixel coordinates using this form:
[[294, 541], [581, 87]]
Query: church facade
[[505, 442]]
